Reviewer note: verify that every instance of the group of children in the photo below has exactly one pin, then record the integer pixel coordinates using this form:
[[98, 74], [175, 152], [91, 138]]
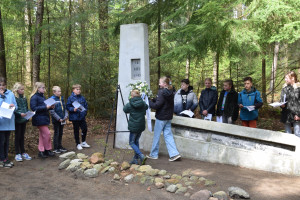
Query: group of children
[[59, 112], [246, 103]]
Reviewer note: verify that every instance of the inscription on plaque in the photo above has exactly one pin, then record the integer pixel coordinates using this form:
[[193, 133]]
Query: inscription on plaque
[[136, 69]]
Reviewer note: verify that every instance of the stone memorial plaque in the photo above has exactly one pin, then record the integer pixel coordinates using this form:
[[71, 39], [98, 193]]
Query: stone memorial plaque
[[136, 69]]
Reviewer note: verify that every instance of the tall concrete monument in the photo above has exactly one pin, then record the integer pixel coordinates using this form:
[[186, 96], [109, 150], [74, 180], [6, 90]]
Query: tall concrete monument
[[133, 67]]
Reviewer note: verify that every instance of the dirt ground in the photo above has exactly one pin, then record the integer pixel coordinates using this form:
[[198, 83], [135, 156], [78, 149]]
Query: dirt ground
[[41, 179]]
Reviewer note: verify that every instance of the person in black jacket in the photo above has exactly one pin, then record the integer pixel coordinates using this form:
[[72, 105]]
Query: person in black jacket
[[208, 99], [41, 119], [164, 106], [227, 106]]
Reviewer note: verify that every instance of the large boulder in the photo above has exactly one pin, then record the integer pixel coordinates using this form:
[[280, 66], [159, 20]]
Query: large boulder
[[91, 173], [69, 155], [64, 164], [125, 165], [172, 188], [73, 166], [96, 158], [220, 195], [201, 195], [129, 178], [236, 192]]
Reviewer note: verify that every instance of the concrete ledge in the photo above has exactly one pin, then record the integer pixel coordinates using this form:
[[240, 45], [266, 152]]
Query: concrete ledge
[[231, 144]]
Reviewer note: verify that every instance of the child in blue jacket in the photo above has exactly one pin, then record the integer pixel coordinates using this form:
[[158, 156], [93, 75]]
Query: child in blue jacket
[[249, 101], [6, 125], [59, 116], [77, 116]]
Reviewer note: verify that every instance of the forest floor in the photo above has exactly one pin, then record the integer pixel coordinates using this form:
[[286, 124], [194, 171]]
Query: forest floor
[[41, 179]]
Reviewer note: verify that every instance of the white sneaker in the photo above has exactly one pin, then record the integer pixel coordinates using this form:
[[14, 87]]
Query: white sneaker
[[84, 144], [79, 147], [18, 158]]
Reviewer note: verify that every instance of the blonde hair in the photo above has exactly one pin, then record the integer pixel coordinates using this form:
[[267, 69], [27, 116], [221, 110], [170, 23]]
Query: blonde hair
[[36, 86], [135, 93], [166, 80], [208, 79], [76, 86], [16, 87], [55, 88], [292, 74]]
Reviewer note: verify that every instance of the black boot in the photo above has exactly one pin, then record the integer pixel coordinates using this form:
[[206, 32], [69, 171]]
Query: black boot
[[49, 153], [42, 154]]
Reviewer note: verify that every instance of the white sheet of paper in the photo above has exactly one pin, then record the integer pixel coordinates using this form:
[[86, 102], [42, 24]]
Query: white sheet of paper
[[78, 106], [208, 117], [51, 102], [250, 108], [5, 105], [219, 119], [188, 113], [277, 104], [6, 111], [29, 114]]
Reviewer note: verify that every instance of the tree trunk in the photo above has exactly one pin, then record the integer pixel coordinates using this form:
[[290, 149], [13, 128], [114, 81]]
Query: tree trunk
[[237, 77], [104, 48], [263, 78], [37, 41], [274, 69], [82, 27], [286, 58], [28, 44], [158, 43], [216, 69], [2, 50], [187, 67], [49, 50], [69, 48]]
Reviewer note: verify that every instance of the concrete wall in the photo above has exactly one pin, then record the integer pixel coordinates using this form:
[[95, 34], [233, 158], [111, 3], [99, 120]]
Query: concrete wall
[[133, 46], [231, 144]]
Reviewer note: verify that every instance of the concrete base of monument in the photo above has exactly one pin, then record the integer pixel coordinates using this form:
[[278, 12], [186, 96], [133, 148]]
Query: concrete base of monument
[[231, 144]]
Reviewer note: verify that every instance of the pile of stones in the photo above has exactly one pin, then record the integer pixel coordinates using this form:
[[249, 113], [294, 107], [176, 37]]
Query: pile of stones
[[182, 184]]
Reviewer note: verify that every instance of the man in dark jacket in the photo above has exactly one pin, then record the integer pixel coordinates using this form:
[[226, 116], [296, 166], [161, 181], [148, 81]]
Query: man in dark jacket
[[164, 105], [136, 124]]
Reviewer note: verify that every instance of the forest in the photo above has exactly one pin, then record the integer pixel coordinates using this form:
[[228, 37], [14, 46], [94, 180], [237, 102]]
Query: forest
[[63, 42]]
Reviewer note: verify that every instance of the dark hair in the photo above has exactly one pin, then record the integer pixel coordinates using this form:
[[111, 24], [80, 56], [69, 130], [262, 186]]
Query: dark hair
[[248, 78], [2, 80], [230, 82], [186, 81]]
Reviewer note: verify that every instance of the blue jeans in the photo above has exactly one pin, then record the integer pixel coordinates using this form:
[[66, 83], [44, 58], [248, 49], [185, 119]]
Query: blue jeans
[[288, 128], [134, 143], [165, 126]]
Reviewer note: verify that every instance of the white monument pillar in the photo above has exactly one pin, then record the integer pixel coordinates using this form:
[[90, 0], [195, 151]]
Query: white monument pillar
[[133, 67]]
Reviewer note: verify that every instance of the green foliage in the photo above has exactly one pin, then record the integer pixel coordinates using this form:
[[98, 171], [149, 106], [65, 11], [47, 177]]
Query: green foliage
[[191, 32]]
